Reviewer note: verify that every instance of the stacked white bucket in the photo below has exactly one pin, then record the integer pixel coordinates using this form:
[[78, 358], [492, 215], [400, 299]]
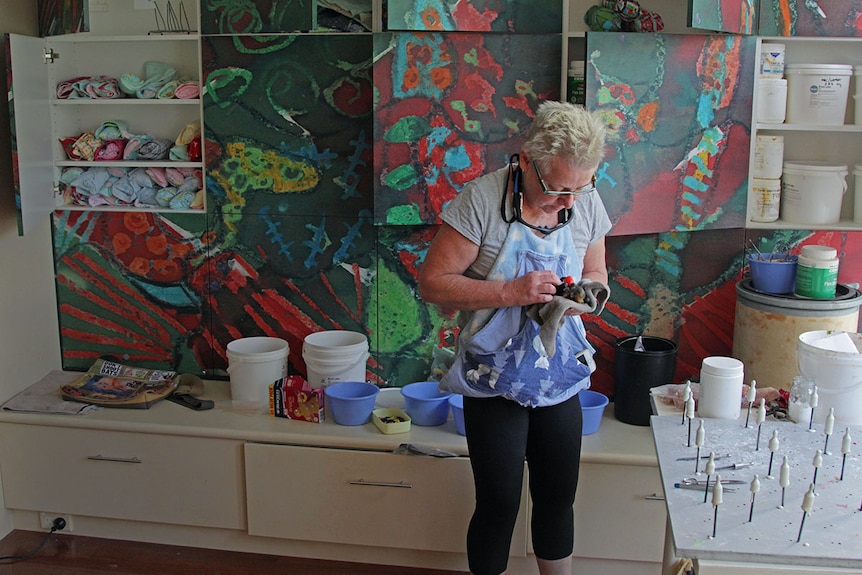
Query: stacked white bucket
[[812, 192], [333, 356], [254, 363], [765, 197]]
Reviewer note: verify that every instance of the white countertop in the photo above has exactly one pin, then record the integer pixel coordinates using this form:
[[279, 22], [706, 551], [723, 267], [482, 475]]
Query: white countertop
[[615, 442]]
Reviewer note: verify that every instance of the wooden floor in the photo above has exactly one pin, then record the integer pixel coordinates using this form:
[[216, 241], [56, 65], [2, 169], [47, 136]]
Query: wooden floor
[[69, 554]]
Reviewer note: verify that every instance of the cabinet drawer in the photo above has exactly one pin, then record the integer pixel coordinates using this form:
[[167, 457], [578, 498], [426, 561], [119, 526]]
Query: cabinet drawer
[[613, 517], [362, 498], [135, 476]]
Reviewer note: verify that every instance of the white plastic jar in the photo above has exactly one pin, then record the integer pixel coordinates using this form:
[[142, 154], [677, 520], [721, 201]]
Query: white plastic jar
[[720, 387], [817, 272]]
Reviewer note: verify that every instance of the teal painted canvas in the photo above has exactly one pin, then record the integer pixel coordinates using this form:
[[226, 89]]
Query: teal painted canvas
[[534, 17]]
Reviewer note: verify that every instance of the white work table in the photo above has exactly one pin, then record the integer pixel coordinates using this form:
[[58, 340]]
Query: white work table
[[831, 540]]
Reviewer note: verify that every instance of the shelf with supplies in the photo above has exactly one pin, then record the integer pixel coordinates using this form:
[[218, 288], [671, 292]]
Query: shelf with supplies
[[805, 135], [116, 101]]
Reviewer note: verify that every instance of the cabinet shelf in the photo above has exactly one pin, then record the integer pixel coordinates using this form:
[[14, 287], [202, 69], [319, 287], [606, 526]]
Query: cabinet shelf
[[128, 164], [126, 102], [849, 128]]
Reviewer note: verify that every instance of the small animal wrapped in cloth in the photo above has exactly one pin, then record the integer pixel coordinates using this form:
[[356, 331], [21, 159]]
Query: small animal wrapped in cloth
[[585, 296]]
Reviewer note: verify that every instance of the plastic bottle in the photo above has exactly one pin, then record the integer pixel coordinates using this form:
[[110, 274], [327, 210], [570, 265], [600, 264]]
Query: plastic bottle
[[577, 85], [817, 272]]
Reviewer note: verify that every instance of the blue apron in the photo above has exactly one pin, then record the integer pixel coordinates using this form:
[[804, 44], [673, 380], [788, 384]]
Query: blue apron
[[499, 350]]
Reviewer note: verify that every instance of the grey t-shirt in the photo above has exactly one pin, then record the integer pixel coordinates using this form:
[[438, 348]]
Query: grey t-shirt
[[475, 214]]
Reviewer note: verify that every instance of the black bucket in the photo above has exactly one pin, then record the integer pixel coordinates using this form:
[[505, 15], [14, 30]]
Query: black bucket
[[636, 372]]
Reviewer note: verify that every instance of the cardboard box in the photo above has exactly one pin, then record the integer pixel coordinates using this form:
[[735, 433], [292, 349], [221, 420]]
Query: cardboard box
[[292, 397]]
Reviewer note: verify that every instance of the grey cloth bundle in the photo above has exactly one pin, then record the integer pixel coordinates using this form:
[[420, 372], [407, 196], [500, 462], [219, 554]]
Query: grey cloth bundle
[[552, 314]]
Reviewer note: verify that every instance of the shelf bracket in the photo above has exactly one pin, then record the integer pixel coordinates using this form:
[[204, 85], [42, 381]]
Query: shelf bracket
[[49, 56]]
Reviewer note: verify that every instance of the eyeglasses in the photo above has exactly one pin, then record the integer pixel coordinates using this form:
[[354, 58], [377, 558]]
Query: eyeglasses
[[588, 189]]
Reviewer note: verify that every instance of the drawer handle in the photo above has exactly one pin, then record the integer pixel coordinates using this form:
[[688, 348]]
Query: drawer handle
[[654, 497], [382, 484], [116, 459]]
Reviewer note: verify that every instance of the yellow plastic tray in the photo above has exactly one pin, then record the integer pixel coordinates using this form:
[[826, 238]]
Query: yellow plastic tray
[[391, 420]]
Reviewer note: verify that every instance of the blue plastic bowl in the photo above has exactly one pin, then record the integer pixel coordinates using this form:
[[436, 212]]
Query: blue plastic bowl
[[593, 406], [351, 402], [425, 404], [456, 402]]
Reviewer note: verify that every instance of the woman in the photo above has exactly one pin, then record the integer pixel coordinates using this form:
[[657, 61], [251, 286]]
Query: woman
[[505, 244]]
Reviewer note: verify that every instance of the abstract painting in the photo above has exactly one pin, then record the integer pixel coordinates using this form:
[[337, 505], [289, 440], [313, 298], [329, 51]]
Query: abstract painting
[[810, 18], [257, 16], [534, 17], [680, 111], [451, 107], [732, 16]]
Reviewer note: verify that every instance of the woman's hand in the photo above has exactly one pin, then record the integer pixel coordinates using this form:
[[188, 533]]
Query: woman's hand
[[532, 287]]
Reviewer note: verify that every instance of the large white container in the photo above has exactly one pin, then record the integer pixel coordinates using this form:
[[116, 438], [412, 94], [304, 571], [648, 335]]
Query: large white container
[[857, 97], [254, 363], [812, 192], [817, 93], [771, 100], [333, 356], [768, 157], [837, 375], [764, 200], [720, 387], [772, 60]]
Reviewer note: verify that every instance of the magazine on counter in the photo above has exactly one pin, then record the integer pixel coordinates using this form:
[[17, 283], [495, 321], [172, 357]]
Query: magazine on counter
[[111, 384]]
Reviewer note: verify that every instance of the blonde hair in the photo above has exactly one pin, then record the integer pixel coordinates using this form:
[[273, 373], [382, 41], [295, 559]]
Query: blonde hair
[[566, 131]]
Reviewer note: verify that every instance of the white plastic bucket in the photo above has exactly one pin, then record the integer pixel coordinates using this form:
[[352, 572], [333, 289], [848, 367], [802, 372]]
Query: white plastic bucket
[[812, 192], [772, 60], [817, 93], [333, 356], [254, 363], [768, 157], [837, 374], [771, 100], [765, 200]]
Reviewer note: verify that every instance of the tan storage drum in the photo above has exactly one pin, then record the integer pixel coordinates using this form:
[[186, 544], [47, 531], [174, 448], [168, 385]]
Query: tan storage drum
[[767, 328]]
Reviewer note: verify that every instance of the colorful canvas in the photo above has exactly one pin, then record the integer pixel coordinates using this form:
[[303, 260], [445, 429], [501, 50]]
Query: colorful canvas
[[451, 107], [13, 149], [810, 18], [534, 17], [680, 111], [58, 17], [257, 16], [732, 16], [287, 122]]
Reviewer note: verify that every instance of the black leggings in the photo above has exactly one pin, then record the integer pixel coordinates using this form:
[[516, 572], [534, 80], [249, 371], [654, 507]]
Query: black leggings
[[500, 435]]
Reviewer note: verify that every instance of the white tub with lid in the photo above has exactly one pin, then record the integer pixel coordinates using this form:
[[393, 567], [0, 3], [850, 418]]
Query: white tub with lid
[[812, 192], [817, 93]]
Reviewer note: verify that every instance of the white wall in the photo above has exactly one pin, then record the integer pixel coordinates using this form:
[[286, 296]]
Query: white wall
[[29, 340]]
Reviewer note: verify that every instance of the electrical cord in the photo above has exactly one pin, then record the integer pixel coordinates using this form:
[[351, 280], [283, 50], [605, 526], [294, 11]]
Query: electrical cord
[[58, 525]]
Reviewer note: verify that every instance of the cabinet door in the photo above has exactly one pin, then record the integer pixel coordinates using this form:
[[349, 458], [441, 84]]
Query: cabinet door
[[613, 517], [134, 476], [362, 498], [31, 130]]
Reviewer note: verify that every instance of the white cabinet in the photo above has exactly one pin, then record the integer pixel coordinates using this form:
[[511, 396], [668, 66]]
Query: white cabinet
[[363, 498], [831, 144], [41, 119], [131, 476]]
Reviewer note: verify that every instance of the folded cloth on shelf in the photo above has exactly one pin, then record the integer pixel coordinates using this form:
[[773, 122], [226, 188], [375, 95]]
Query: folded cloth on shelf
[[167, 91], [155, 149], [133, 146], [111, 150], [189, 132], [187, 91], [86, 145], [156, 75], [89, 87], [180, 153], [552, 314], [113, 130]]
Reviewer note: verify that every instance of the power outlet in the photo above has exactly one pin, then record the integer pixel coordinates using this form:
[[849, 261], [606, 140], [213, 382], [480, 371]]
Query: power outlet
[[46, 520]]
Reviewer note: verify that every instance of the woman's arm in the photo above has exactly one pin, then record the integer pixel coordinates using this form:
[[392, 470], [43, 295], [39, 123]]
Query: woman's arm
[[442, 280]]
